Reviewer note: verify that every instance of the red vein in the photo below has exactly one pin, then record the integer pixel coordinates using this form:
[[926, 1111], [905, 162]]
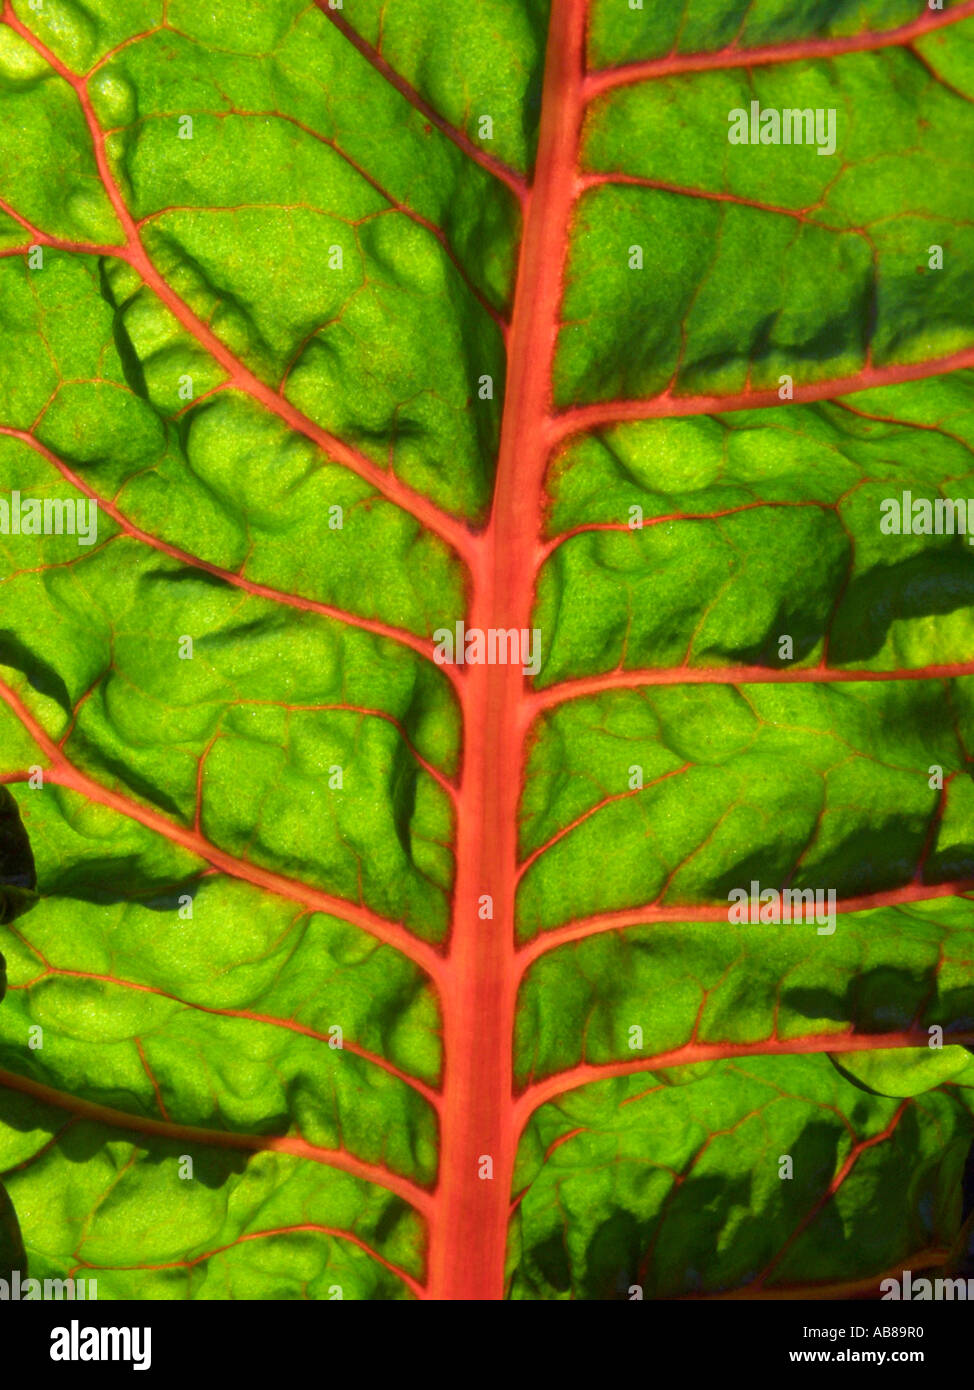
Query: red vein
[[310, 1226], [584, 927], [588, 526], [45, 239], [514, 181], [152, 1078], [583, 686], [608, 177], [600, 414], [797, 50], [539, 1093], [586, 815], [850, 1161], [375, 1173]]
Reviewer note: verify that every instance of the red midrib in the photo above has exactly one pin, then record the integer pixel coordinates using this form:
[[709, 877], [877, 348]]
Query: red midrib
[[470, 1216]]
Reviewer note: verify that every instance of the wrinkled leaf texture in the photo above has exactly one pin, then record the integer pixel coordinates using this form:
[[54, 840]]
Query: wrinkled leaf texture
[[258, 259]]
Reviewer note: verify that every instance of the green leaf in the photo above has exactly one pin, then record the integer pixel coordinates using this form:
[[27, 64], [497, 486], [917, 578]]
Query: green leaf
[[675, 1191], [354, 946], [903, 1071], [17, 880], [18, 877], [12, 1255]]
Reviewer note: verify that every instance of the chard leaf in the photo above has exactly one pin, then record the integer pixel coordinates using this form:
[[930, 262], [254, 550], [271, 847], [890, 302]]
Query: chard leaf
[[446, 554]]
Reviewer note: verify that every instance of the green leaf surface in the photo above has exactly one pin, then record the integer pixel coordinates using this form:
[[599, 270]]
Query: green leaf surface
[[676, 1191], [904, 1071], [340, 343]]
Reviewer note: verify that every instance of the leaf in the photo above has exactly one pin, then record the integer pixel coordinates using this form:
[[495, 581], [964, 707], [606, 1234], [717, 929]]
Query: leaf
[[16, 883], [18, 878], [12, 1255], [354, 340], [903, 1071]]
